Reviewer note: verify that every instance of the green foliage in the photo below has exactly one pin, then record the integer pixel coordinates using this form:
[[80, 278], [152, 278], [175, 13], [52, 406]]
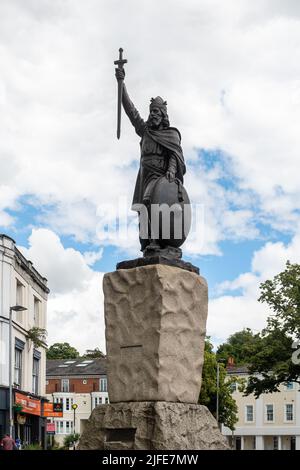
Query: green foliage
[[69, 440], [208, 395], [32, 447], [62, 351], [240, 346], [93, 353], [37, 336], [272, 357]]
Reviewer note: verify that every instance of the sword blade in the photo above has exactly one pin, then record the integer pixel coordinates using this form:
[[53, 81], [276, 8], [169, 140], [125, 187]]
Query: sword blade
[[120, 92]]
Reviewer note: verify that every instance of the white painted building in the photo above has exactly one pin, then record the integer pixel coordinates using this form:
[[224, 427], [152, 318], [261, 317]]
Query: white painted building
[[270, 422], [21, 284]]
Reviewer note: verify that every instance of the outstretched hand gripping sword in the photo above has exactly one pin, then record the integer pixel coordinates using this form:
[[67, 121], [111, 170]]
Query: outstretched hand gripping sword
[[120, 62]]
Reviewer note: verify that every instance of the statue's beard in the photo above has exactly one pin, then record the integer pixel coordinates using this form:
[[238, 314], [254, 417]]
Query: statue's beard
[[154, 123]]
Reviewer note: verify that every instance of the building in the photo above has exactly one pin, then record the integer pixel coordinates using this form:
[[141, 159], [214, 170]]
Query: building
[[21, 284], [79, 381], [270, 422]]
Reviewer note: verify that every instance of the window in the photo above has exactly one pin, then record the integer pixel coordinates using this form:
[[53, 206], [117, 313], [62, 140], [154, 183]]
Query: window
[[275, 442], [98, 401], [69, 403], [59, 400], [19, 293], [106, 400], [69, 427], [59, 425], [18, 368], [19, 299], [269, 413], [64, 427], [37, 311], [65, 385], [289, 386], [289, 412], [249, 413], [103, 384], [35, 375]]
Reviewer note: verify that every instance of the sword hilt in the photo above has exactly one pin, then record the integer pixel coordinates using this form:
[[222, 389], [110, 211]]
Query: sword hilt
[[120, 62]]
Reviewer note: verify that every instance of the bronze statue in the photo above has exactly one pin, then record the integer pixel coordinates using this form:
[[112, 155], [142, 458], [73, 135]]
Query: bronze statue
[[162, 166]]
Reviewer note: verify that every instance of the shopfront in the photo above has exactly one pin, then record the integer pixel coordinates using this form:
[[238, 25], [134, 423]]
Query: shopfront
[[29, 425]]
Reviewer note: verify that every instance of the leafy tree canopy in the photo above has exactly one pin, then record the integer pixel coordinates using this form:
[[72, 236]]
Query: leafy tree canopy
[[240, 346], [275, 358], [93, 353], [62, 351], [208, 394]]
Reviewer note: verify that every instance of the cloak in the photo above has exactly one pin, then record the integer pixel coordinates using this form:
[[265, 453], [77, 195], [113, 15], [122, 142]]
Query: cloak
[[170, 139]]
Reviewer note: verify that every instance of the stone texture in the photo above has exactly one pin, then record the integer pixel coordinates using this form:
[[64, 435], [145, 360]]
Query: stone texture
[[152, 426], [155, 329]]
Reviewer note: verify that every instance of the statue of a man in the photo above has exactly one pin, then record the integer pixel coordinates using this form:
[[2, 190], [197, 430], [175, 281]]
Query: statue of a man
[[161, 152]]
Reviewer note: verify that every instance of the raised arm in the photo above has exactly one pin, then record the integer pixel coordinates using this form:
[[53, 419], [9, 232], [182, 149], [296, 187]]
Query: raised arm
[[133, 114]]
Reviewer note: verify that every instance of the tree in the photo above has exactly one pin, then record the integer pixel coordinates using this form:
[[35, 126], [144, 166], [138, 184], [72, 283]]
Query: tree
[[240, 346], [62, 351], [93, 353], [208, 395], [274, 360], [37, 336], [71, 440]]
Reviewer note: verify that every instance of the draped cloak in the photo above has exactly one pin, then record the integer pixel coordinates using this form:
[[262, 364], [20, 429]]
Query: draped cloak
[[169, 139]]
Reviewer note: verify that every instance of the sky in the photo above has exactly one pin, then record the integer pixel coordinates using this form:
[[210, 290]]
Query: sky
[[230, 74]]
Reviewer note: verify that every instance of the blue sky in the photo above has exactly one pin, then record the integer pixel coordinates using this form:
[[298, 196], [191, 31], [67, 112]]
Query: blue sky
[[230, 74]]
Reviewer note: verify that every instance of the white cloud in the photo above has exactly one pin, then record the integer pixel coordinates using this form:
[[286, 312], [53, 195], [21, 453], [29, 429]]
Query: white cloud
[[91, 257], [75, 305], [230, 73], [65, 268], [77, 316], [229, 313]]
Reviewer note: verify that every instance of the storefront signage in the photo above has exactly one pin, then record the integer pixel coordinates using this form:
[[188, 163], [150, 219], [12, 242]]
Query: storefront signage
[[53, 410], [51, 428], [29, 405]]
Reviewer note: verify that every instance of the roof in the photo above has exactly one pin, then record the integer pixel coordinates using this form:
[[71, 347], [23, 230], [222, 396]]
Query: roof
[[237, 370], [69, 367]]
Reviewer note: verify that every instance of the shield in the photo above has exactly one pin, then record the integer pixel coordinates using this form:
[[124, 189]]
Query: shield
[[170, 212]]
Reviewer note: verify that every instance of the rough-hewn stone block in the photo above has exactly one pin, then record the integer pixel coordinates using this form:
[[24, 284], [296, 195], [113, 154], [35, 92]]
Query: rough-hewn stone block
[[155, 328]]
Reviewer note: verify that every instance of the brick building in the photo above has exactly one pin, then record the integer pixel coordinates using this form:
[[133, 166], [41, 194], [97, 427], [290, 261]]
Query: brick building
[[75, 381]]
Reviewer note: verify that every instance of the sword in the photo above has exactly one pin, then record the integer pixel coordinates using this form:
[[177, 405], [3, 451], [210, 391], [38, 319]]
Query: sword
[[120, 62]]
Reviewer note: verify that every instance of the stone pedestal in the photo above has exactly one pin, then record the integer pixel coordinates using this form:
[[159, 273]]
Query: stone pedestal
[[155, 319], [152, 426]]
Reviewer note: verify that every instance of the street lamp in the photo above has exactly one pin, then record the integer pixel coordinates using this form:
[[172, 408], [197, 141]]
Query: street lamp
[[74, 407], [15, 308], [218, 389]]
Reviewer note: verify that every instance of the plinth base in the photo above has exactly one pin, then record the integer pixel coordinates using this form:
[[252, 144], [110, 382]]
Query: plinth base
[[151, 426], [158, 259]]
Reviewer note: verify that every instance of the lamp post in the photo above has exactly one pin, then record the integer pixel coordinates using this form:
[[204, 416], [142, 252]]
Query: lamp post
[[218, 390], [74, 407], [218, 386], [15, 308]]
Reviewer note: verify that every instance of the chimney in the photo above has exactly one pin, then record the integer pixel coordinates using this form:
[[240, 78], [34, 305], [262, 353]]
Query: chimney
[[230, 361]]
